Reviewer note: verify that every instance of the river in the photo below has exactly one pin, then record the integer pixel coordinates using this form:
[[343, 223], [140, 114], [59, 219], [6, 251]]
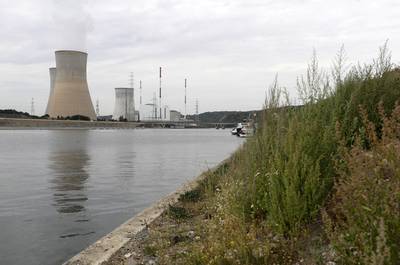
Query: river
[[61, 190]]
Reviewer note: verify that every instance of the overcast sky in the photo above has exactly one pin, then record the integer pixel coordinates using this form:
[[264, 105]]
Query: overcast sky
[[229, 50]]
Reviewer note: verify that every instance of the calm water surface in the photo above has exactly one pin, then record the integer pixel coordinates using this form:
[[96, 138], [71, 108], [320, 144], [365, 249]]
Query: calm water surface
[[61, 190]]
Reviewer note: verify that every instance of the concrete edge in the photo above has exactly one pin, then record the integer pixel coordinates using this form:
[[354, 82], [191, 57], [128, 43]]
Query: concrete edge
[[103, 249]]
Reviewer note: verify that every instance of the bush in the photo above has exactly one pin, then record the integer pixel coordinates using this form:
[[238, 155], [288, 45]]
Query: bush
[[177, 212], [78, 118], [363, 218]]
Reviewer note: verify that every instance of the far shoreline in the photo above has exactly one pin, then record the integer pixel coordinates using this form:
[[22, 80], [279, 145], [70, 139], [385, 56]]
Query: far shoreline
[[45, 124]]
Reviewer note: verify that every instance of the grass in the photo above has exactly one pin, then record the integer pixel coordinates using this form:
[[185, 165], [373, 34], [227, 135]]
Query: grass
[[191, 196], [178, 212], [317, 183]]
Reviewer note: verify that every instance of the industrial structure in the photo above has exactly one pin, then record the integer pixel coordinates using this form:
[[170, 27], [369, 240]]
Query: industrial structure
[[33, 106], [69, 93], [148, 112], [124, 107], [175, 115], [52, 72], [160, 104], [185, 97]]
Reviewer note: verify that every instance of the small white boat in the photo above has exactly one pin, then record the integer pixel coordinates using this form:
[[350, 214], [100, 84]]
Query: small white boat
[[244, 130], [237, 129]]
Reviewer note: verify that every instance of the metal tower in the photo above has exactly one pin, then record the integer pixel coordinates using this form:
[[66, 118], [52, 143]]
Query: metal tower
[[155, 105], [33, 107], [197, 111], [160, 97], [131, 81], [97, 108], [140, 91], [185, 97]]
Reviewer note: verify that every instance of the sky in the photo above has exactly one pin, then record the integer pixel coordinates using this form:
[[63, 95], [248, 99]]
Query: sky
[[229, 50]]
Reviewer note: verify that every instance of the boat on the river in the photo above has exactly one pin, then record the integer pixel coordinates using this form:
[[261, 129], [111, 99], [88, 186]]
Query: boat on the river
[[244, 129]]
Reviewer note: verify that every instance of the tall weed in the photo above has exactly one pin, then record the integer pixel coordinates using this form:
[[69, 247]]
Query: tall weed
[[363, 217], [288, 169]]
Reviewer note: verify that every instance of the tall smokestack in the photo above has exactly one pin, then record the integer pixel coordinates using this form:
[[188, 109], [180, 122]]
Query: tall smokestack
[[52, 72], [71, 92]]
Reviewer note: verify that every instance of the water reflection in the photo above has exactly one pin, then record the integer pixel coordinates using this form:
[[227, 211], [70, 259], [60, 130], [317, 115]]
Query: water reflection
[[125, 162], [68, 162]]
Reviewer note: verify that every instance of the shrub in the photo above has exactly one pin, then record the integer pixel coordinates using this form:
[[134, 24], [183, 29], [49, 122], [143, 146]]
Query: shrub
[[78, 117], [363, 218], [178, 212]]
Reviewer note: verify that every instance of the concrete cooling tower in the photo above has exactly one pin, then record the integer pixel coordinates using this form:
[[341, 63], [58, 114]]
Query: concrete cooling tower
[[124, 104], [52, 72], [71, 93]]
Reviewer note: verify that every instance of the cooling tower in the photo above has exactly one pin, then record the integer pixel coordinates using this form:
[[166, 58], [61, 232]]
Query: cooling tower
[[124, 104], [52, 72], [71, 93]]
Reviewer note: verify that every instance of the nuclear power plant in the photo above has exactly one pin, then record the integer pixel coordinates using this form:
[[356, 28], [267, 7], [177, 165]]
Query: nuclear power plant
[[69, 92], [124, 107], [52, 72]]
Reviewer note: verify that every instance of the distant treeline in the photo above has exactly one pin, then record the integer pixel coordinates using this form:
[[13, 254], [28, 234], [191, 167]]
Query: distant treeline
[[11, 113], [14, 114]]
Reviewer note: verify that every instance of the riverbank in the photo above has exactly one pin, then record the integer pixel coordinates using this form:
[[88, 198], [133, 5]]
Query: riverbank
[[44, 124], [7, 123], [197, 222], [118, 244]]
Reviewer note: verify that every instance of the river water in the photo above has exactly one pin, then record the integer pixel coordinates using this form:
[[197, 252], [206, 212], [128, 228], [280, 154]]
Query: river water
[[61, 190]]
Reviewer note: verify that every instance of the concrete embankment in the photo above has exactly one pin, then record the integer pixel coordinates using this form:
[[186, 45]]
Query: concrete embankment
[[6, 123], [101, 251]]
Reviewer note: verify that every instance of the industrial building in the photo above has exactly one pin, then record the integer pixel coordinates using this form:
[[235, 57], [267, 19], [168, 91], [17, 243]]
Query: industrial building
[[175, 115], [150, 112], [124, 107], [69, 91]]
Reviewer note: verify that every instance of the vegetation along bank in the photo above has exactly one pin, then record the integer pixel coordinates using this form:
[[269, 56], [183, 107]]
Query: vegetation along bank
[[318, 184]]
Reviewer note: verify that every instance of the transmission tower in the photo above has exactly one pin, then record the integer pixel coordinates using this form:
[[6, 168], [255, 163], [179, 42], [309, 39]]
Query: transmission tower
[[197, 111], [160, 97], [155, 106], [140, 90], [185, 97], [131, 80], [97, 108], [33, 107]]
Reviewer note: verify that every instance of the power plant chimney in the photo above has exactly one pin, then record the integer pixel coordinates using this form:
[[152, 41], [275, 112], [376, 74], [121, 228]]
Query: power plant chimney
[[52, 72], [71, 92], [124, 104]]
